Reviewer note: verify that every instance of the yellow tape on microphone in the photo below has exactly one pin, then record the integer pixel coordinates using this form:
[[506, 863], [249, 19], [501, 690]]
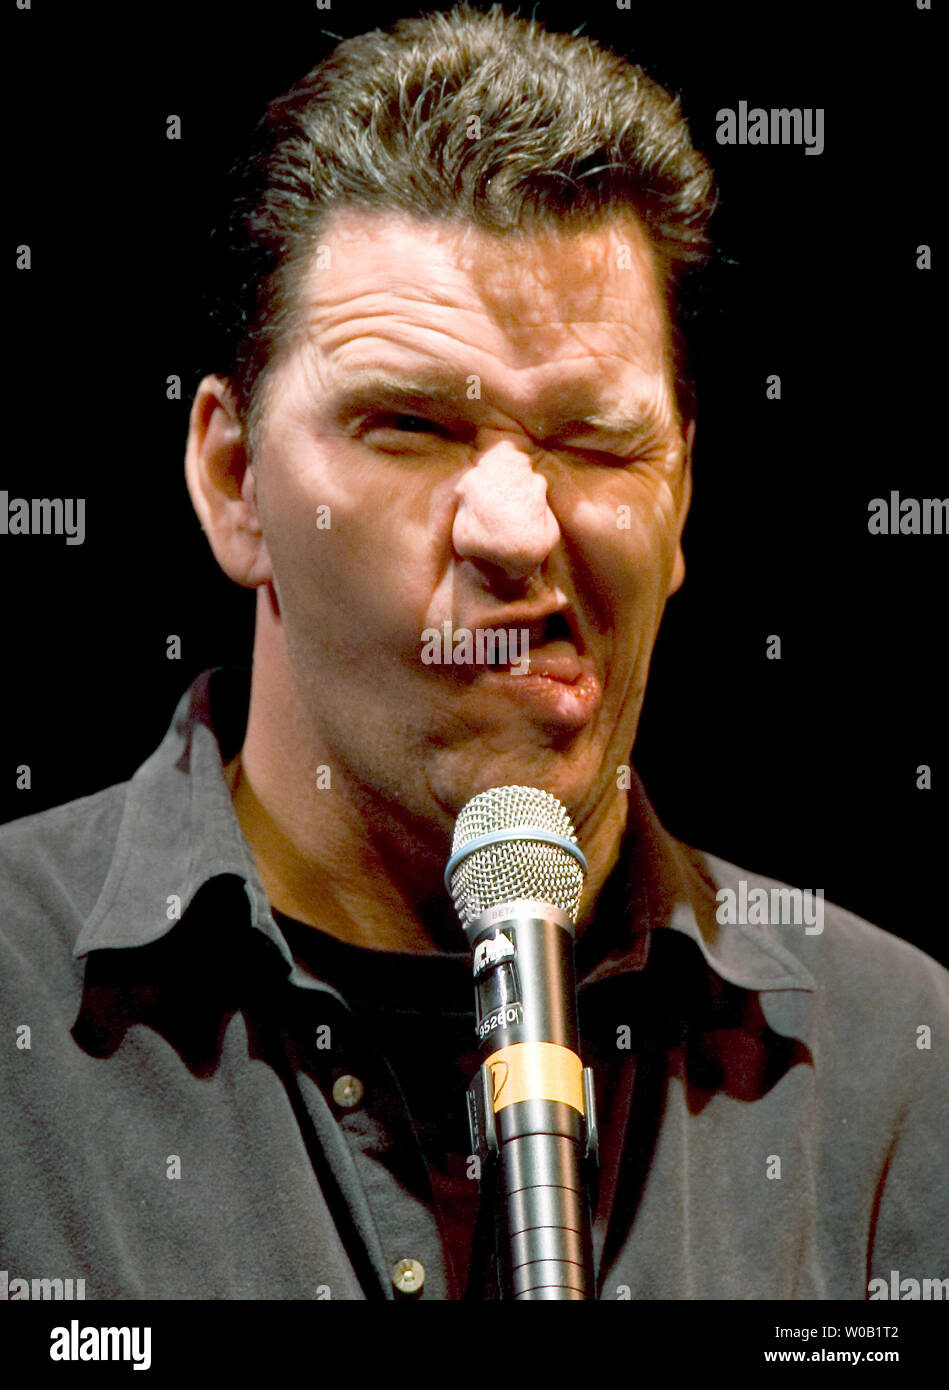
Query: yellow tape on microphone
[[536, 1071]]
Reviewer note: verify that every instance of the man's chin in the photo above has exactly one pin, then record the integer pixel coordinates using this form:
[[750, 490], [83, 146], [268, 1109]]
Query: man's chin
[[563, 777]]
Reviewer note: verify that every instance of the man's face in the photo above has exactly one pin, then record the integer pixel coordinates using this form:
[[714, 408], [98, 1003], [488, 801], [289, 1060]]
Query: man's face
[[492, 426]]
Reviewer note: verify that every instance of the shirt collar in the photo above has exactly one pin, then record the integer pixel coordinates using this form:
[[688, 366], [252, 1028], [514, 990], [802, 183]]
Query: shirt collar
[[179, 831]]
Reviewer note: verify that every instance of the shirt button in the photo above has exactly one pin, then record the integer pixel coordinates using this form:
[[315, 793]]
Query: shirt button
[[408, 1276], [347, 1091]]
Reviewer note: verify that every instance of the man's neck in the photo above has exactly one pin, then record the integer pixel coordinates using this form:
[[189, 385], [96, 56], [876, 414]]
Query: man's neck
[[334, 878], [345, 861], [331, 881]]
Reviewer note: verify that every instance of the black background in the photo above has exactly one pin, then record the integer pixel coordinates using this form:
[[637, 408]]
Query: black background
[[803, 768]]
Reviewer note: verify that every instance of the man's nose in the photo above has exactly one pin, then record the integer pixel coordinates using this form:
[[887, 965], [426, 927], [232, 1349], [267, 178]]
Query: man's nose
[[503, 518]]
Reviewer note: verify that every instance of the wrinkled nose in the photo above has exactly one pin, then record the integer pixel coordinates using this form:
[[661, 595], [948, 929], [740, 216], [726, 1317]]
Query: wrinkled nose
[[503, 519]]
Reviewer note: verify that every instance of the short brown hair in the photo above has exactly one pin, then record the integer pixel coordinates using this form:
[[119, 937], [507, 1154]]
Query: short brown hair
[[566, 135]]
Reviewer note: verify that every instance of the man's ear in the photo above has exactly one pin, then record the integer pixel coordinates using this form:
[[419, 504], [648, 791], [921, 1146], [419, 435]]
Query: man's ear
[[678, 572], [223, 487]]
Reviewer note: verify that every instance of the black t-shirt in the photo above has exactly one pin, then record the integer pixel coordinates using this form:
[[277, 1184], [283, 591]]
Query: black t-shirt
[[417, 1012]]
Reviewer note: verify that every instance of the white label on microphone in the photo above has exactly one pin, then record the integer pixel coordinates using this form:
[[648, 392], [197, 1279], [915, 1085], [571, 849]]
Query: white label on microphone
[[504, 1017]]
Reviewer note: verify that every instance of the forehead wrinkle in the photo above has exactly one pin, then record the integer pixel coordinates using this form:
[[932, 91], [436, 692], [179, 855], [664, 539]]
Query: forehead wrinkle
[[575, 397], [484, 284], [331, 329], [511, 349], [462, 295], [433, 283]]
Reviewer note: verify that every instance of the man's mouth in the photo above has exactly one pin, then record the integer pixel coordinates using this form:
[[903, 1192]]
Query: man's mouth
[[545, 668], [552, 650]]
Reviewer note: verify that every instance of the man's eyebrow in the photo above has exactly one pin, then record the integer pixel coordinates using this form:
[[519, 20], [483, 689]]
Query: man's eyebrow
[[613, 422], [381, 389], [369, 390]]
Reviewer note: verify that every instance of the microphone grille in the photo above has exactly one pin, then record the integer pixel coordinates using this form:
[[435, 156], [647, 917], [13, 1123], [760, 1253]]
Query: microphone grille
[[512, 865]]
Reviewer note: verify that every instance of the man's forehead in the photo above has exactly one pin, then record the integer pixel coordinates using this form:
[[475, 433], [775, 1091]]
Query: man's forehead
[[574, 318], [601, 274]]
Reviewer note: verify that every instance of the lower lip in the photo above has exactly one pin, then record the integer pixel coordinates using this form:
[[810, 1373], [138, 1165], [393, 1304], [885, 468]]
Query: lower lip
[[570, 704]]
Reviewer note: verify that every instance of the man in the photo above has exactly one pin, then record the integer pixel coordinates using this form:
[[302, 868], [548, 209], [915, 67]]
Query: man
[[454, 393]]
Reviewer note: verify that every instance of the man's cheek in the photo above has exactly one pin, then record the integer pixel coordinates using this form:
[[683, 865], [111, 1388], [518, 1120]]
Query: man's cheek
[[330, 482], [322, 527], [634, 559], [629, 508], [648, 535]]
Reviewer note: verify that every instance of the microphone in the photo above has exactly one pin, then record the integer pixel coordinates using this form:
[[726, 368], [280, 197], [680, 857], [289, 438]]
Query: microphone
[[516, 875]]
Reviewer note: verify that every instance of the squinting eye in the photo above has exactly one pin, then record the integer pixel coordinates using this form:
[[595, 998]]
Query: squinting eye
[[383, 431], [600, 456], [409, 424]]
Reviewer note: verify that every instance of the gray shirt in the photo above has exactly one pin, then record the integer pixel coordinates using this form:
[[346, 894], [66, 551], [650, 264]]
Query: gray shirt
[[204, 1100]]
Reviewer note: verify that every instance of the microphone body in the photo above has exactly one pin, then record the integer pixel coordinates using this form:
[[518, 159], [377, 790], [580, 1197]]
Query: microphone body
[[531, 1105]]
